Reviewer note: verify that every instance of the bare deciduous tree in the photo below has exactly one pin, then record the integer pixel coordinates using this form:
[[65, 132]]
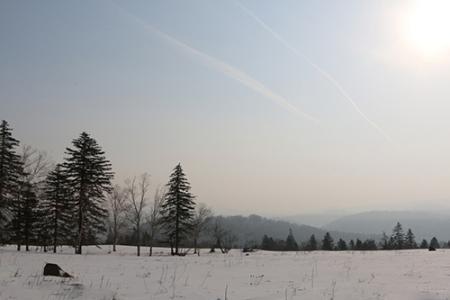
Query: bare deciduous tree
[[36, 165], [222, 238], [137, 190], [154, 217], [118, 208], [201, 217]]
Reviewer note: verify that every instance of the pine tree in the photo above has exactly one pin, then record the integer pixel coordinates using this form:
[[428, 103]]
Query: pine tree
[[178, 208], [342, 245], [24, 216], [9, 172], [30, 202], [89, 174], [391, 244], [352, 245], [434, 243], [410, 240], [265, 243], [358, 245], [424, 244], [398, 237], [58, 209], [268, 243], [291, 243], [312, 243], [327, 242], [369, 245]]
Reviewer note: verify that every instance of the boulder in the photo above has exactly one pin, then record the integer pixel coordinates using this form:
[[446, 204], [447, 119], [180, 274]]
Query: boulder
[[55, 270]]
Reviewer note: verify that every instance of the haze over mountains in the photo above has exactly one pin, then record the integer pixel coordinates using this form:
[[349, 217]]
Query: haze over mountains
[[314, 219], [250, 229], [424, 224]]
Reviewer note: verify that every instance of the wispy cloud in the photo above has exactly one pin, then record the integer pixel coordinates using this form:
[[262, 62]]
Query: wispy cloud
[[222, 67], [324, 73]]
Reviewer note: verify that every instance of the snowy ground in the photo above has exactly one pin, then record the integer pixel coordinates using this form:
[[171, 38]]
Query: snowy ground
[[395, 275]]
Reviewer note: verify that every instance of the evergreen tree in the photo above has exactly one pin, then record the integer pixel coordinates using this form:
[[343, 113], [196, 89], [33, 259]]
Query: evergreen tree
[[291, 243], [268, 243], [89, 174], [312, 244], [358, 245], [398, 236], [410, 240], [352, 245], [391, 243], [434, 243], [342, 245], [327, 242], [9, 172], [265, 244], [178, 208], [23, 209], [369, 245], [384, 244], [30, 202], [58, 209], [424, 244]]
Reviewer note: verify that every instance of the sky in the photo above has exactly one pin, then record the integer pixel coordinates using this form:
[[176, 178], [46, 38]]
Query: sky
[[272, 107]]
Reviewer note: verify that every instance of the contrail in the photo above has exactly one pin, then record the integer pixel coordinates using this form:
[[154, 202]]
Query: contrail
[[330, 78], [224, 68]]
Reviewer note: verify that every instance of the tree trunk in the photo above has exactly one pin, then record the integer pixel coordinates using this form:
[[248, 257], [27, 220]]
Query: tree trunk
[[81, 203], [27, 238], [115, 235], [177, 225], [55, 233], [138, 238], [80, 238], [80, 229], [114, 242], [150, 252]]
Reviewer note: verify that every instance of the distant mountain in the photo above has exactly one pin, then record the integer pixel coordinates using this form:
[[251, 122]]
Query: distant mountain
[[316, 220], [252, 229], [423, 224]]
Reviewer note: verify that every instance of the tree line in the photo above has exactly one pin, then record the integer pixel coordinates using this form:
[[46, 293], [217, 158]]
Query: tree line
[[398, 240], [74, 202]]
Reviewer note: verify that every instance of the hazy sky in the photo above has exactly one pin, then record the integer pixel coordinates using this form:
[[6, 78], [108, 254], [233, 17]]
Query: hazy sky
[[272, 107]]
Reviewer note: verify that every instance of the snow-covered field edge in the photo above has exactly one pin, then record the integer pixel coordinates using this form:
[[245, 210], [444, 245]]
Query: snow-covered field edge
[[102, 274]]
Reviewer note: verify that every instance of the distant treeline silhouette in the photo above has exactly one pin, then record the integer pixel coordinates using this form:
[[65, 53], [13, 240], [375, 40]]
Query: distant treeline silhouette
[[397, 241]]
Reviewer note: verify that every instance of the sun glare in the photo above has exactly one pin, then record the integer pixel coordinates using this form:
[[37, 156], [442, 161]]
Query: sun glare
[[428, 27]]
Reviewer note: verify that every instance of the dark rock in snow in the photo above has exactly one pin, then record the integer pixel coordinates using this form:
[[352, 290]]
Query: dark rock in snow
[[55, 270]]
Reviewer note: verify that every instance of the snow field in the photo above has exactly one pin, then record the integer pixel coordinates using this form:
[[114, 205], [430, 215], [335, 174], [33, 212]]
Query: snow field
[[263, 275]]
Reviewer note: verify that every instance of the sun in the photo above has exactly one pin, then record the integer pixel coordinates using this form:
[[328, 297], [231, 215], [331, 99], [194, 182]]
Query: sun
[[427, 27]]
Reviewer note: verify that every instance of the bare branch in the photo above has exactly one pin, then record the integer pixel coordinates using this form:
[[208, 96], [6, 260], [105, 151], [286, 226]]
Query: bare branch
[[137, 190], [36, 164]]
